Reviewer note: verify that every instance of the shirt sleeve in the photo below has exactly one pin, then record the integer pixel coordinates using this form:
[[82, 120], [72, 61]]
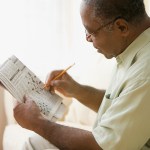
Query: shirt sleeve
[[125, 125]]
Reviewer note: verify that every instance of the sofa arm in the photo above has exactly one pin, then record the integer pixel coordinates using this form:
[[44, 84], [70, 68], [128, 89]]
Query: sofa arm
[[3, 119]]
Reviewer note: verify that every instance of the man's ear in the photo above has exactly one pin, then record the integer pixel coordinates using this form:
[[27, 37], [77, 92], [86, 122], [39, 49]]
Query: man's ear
[[122, 26]]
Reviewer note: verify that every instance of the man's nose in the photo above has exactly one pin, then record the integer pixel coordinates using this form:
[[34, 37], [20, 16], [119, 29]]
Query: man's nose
[[89, 38]]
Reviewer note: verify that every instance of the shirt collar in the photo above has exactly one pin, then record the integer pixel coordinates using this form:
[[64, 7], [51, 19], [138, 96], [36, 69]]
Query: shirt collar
[[127, 56]]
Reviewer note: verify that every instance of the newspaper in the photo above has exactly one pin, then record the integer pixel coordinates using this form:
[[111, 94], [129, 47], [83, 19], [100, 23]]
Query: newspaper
[[21, 81]]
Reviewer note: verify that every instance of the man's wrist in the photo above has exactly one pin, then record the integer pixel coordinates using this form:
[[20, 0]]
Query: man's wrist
[[38, 123], [77, 91]]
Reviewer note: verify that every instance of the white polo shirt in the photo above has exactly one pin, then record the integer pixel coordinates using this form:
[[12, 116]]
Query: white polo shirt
[[123, 121]]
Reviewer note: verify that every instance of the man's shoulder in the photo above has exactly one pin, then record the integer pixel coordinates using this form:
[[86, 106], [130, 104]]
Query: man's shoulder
[[140, 68]]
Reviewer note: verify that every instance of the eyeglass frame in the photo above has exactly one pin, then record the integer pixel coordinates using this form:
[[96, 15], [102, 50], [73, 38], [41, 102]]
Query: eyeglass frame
[[101, 27]]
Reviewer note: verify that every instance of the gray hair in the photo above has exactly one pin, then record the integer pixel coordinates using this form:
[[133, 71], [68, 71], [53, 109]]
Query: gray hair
[[131, 10]]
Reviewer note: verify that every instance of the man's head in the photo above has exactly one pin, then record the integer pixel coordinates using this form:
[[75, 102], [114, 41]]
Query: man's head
[[112, 24]]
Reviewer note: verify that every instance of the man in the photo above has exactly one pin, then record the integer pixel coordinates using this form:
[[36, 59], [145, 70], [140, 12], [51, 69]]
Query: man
[[120, 29]]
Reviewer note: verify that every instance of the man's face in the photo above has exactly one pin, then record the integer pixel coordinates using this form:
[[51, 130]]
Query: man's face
[[108, 42]]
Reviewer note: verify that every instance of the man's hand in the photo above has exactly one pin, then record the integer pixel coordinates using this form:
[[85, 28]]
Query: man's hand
[[64, 84], [27, 114], [1, 85]]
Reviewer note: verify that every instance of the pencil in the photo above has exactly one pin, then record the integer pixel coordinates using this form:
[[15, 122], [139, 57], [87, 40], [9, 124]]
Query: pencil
[[61, 73]]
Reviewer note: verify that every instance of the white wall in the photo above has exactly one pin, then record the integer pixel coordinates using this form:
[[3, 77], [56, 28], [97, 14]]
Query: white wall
[[147, 6], [36, 31]]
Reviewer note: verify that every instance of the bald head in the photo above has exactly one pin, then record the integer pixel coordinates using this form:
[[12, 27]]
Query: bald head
[[132, 11]]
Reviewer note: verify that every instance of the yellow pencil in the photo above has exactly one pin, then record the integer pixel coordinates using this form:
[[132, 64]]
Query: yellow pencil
[[61, 73]]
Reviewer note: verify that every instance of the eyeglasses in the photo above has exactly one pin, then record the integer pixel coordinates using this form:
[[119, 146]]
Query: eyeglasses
[[101, 27]]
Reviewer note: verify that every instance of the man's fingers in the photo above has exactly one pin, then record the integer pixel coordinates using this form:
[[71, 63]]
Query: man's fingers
[[51, 76], [27, 98]]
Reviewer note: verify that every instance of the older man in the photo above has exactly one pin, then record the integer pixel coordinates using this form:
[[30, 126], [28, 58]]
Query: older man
[[120, 29]]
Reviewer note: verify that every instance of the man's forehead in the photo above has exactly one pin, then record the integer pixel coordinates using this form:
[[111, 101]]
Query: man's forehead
[[88, 16], [90, 23]]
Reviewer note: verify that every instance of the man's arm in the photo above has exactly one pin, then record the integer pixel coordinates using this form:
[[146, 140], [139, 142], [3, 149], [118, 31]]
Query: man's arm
[[65, 138], [89, 96]]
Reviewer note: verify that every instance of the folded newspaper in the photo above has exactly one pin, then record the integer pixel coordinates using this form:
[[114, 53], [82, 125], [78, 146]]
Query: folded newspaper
[[21, 81]]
